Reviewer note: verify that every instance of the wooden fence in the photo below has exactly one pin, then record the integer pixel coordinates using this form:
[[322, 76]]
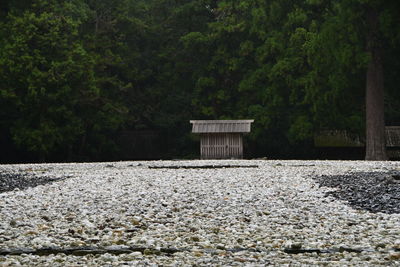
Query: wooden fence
[[221, 146]]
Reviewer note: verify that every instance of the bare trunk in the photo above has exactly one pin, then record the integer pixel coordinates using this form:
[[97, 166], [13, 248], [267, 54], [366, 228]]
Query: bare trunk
[[375, 120]]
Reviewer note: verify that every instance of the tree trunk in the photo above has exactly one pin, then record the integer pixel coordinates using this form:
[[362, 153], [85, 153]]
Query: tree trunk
[[375, 120]]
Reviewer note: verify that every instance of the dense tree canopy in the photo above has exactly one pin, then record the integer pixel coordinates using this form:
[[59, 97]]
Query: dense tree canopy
[[75, 75]]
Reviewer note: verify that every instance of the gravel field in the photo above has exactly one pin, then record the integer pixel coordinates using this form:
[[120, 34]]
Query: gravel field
[[207, 213]]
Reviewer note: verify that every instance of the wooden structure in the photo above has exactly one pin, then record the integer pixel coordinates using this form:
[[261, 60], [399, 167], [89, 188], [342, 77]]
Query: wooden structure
[[342, 138], [221, 139], [392, 136], [332, 143]]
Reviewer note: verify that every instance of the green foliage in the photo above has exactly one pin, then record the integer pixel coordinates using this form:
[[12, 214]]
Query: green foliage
[[49, 81], [73, 74], [38, 67]]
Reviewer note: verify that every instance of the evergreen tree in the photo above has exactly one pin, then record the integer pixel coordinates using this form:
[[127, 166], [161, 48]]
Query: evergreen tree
[[49, 81], [347, 51], [75, 73]]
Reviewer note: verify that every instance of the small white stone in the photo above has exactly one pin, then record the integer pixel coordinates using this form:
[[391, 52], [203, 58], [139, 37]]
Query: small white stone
[[132, 256], [264, 207], [87, 223]]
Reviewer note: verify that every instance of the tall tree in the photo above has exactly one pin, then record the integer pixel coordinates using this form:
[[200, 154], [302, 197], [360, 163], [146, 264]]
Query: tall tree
[[254, 65], [49, 81], [73, 73], [375, 108], [351, 41]]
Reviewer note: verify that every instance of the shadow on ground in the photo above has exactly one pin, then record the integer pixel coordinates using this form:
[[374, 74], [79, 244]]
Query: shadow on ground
[[372, 191], [21, 181]]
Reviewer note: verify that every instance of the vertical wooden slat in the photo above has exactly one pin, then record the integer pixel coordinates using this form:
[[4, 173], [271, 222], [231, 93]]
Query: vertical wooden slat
[[235, 144], [220, 139], [217, 146], [223, 142], [207, 154], [210, 152], [226, 146], [206, 146], [231, 146], [221, 146], [201, 146], [213, 147], [217, 141], [241, 146], [233, 138], [210, 146]]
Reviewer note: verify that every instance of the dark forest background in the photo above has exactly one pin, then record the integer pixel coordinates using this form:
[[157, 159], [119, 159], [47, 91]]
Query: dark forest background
[[94, 80]]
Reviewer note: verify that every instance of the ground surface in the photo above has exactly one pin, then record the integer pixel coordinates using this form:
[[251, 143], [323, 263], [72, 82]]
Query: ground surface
[[127, 214]]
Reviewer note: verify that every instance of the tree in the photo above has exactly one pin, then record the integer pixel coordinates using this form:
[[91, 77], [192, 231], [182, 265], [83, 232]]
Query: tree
[[49, 82], [298, 66], [163, 93], [382, 38], [351, 39], [254, 66], [75, 73], [375, 110]]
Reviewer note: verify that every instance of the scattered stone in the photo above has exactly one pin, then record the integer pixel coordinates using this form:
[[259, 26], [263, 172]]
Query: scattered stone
[[10, 181], [373, 191], [296, 246], [394, 256], [13, 223], [275, 214], [201, 166]]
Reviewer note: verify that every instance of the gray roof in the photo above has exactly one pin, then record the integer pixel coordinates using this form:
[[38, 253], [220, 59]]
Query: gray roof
[[221, 126]]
